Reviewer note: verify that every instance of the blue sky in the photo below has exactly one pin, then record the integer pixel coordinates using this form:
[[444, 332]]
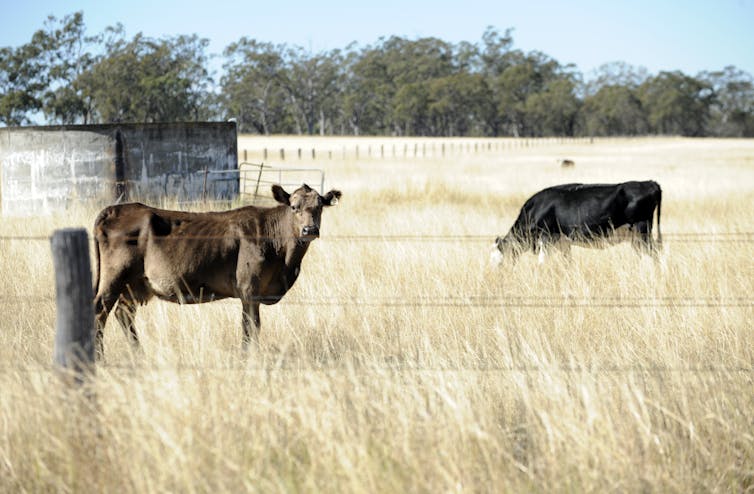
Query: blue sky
[[690, 35]]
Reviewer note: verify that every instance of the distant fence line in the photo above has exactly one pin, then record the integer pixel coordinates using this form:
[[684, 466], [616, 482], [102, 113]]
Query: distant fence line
[[432, 148]]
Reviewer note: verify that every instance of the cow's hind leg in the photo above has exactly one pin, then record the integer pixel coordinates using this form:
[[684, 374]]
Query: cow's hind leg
[[125, 313], [642, 240], [103, 304], [110, 290]]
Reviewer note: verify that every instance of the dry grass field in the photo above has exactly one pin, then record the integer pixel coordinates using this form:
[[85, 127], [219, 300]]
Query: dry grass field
[[401, 361]]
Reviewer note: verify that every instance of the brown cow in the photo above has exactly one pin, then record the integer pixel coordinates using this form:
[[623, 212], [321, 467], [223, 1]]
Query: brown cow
[[249, 253]]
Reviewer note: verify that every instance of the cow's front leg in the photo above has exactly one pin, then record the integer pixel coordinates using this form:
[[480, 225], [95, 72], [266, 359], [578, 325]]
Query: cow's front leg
[[250, 323]]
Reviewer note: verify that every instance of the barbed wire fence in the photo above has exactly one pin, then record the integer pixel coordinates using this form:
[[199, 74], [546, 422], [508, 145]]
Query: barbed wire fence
[[460, 300]]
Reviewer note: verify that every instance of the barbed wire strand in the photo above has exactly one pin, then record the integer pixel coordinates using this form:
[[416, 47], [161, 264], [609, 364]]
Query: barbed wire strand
[[477, 301], [372, 369], [675, 237]]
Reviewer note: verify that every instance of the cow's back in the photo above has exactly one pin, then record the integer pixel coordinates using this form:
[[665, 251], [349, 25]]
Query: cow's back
[[574, 209]]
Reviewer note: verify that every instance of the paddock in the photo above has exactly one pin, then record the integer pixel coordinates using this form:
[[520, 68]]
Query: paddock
[[402, 360]]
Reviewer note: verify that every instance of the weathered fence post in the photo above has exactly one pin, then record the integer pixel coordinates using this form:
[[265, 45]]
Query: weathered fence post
[[282, 153], [259, 180], [74, 332]]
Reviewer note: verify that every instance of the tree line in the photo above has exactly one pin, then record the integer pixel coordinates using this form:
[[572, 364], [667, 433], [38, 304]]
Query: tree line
[[395, 86]]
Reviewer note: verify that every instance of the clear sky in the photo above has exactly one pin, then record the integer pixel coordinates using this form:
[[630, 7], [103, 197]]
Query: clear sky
[[686, 35]]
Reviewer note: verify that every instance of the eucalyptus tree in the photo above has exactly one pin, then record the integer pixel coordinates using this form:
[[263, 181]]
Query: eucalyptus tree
[[252, 90], [676, 104], [553, 110], [312, 84], [732, 112], [23, 78], [68, 54], [367, 92], [150, 80], [614, 110], [524, 76], [460, 105]]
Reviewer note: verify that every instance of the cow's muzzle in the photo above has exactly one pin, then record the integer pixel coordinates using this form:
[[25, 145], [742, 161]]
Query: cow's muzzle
[[310, 232]]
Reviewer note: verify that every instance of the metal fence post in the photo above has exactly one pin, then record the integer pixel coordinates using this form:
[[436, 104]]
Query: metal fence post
[[74, 332]]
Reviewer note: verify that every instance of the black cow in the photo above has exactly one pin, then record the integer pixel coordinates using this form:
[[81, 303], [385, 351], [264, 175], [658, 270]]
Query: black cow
[[587, 214]]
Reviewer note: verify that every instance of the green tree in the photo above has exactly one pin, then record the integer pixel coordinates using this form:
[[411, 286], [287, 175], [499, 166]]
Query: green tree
[[147, 80], [732, 112], [676, 104], [411, 109], [312, 83], [459, 105], [553, 110], [67, 59], [524, 76], [22, 80], [367, 93], [616, 74], [614, 110], [251, 88]]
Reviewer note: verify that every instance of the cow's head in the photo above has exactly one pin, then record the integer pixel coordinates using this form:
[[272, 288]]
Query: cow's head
[[505, 247], [306, 206]]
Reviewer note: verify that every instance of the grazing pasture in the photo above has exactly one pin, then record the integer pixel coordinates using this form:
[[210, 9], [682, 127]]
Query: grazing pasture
[[402, 361]]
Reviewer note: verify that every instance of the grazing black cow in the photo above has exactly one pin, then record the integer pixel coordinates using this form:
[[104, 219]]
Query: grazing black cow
[[588, 214], [253, 254]]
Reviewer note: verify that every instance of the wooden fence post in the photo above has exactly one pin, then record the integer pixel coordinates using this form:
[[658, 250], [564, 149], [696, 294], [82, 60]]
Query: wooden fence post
[[74, 333]]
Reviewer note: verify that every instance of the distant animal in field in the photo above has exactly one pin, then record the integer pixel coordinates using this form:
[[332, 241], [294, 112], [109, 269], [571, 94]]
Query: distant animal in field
[[567, 163], [250, 253], [592, 215]]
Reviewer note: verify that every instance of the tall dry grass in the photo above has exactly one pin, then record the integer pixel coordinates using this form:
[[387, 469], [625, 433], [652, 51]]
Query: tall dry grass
[[413, 365]]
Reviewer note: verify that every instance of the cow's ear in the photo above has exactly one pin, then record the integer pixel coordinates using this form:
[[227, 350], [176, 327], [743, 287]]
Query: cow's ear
[[331, 198], [281, 195]]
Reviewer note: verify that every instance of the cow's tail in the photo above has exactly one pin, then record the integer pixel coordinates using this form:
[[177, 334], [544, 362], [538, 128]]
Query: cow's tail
[[96, 270], [659, 208], [96, 267]]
